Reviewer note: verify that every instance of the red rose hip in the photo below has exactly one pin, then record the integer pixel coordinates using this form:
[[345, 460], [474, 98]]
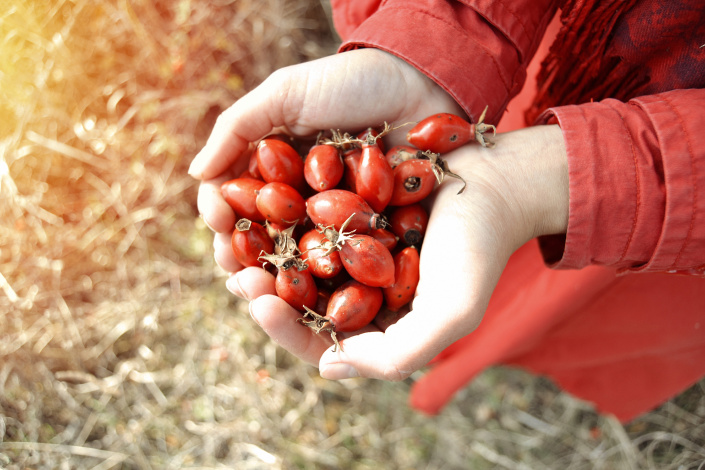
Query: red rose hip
[[280, 203], [406, 271], [240, 194], [375, 178], [413, 181], [313, 246], [351, 306], [277, 161], [335, 206], [249, 240], [323, 167], [409, 223], [296, 287]]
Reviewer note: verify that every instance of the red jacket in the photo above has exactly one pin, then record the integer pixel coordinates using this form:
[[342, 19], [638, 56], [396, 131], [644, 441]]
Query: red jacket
[[637, 189]]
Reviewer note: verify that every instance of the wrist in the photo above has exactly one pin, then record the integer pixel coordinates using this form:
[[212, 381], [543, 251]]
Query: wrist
[[524, 177], [536, 164]]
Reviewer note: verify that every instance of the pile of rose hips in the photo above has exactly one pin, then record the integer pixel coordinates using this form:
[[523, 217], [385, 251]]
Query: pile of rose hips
[[342, 227]]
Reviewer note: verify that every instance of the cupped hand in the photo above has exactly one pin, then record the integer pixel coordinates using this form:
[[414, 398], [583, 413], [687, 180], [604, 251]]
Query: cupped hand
[[515, 191], [348, 91]]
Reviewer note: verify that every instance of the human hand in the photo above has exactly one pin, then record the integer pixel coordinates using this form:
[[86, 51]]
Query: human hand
[[349, 91], [515, 191]]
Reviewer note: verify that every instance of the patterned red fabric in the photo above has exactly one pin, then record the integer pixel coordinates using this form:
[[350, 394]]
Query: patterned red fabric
[[605, 309], [627, 56]]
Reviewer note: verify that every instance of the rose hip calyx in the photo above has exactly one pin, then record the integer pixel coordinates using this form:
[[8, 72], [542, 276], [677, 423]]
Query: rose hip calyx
[[320, 323]]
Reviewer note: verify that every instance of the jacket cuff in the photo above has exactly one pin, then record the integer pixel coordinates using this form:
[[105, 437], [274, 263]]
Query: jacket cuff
[[478, 67], [637, 184]]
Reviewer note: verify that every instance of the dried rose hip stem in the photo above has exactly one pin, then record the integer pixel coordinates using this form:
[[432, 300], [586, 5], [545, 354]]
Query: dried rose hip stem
[[345, 140], [481, 128], [440, 168], [318, 324]]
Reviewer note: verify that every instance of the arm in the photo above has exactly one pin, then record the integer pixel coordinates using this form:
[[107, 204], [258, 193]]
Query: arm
[[637, 184]]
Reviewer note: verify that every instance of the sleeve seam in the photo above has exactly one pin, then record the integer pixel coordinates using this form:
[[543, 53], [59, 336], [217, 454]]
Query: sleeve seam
[[516, 17], [692, 177], [636, 185]]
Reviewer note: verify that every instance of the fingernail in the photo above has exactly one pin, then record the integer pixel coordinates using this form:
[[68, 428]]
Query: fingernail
[[234, 287], [339, 371]]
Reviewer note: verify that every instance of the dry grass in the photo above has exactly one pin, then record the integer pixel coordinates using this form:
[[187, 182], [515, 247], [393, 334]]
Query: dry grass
[[120, 346]]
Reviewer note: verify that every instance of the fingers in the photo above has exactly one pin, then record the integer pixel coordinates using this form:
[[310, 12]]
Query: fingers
[[279, 320], [396, 353], [251, 283], [216, 213], [248, 120], [223, 253]]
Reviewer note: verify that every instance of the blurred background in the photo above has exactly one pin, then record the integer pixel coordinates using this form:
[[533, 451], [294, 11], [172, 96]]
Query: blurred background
[[119, 344]]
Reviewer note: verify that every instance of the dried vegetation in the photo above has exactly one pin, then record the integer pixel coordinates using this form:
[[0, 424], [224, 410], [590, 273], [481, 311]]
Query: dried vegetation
[[120, 347]]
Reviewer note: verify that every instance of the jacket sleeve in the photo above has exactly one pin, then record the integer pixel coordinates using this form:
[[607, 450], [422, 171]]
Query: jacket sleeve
[[637, 184], [476, 50]]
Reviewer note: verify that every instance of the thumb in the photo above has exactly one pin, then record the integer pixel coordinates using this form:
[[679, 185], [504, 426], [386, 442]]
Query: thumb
[[250, 118], [396, 353], [436, 320]]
